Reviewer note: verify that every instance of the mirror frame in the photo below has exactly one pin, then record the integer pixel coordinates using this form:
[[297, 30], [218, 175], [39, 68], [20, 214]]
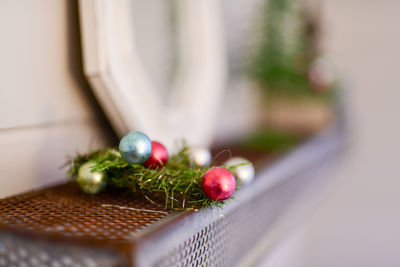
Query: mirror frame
[[123, 87]]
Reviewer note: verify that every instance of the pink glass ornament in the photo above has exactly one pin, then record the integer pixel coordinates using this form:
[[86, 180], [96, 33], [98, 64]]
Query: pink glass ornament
[[218, 183]]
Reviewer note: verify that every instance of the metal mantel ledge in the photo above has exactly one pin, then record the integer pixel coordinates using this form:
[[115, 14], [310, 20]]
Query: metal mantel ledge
[[233, 235], [239, 234]]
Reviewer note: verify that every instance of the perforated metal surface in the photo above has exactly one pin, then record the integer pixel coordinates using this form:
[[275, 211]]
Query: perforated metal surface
[[239, 233], [221, 243], [220, 238], [15, 251], [64, 210], [212, 246], [229, 238]]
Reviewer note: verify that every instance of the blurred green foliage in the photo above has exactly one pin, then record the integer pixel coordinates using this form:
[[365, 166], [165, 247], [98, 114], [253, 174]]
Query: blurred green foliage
[[270, 140], [286, 49]]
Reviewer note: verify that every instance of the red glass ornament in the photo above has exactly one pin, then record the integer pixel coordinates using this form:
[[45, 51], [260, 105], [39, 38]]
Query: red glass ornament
[[158, 157], [321, 75], [218, 183]]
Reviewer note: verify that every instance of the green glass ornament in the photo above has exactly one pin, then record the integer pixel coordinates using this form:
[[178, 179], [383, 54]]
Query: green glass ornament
[[91, 182]]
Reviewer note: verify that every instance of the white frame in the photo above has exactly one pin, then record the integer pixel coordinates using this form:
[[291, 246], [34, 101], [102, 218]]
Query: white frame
[[123, 87]]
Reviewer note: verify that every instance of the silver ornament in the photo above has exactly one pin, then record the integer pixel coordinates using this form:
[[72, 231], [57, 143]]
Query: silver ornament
[[244, 174], [91, 182], [199, 156]]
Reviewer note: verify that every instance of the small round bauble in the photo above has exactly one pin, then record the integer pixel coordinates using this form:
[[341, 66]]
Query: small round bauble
[[199, 156], [218, 183], [91, 182], [135, 147], [244, 174], [321, 74], [158, 157]]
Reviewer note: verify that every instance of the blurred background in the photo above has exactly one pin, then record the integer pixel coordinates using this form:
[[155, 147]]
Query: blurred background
[[286, 62]]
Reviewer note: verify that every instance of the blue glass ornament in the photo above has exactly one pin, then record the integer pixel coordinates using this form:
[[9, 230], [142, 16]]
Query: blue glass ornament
[[135, 147]]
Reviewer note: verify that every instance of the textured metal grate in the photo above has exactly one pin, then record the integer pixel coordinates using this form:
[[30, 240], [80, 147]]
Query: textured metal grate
[[228, 239], [21, 252], [64, 210], [60, 226], [208, 247]]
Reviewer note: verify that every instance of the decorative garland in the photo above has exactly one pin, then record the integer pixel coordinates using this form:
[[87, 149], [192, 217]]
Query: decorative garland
[[185, 180]]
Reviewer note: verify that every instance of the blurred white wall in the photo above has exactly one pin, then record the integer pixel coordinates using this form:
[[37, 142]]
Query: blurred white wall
[[358, 222], [45, 109]]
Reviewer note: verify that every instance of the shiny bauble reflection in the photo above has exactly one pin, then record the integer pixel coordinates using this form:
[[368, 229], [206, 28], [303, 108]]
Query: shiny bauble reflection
[[218, 183], [135, 147], [199, 156], [91, 182], [158, 157], [244, 174]]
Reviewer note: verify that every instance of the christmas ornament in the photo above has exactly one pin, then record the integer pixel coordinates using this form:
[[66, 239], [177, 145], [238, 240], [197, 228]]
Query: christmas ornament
[[218, 183], [91, 182], [135, 147], [321, 74], [158, 157], [200, 156], [243, 170]]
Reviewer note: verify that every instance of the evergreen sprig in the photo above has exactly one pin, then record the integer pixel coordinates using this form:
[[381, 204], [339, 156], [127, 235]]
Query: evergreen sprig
[[177, 184]]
